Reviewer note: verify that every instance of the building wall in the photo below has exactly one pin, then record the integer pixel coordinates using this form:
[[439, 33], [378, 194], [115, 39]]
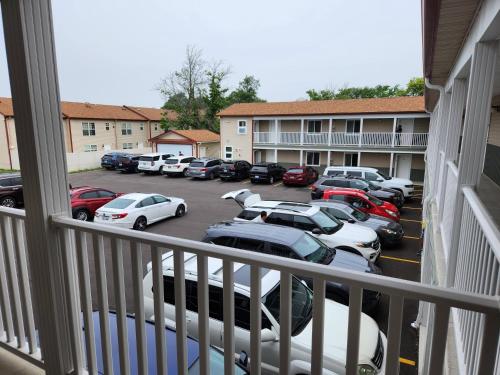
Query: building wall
[[384, 125], [336, 159], [417, 168], [138, 138], [421, 125], [4, 151], [291, 126], [156, 129], [289, 157], [213, 149], [376, 160], [339, 125], [102, 136], [242, 144]]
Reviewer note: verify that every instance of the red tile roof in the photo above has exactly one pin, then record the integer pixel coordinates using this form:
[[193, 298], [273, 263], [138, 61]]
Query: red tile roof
[[6, 107], [194, 135], [403, 104], [154, 114]]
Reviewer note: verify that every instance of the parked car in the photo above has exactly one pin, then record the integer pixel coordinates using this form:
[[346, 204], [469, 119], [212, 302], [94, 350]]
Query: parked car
[[11, 190], [153, 163], [85, 200], [364, 202], [216, 357], [177, 165], [235, 170], [300, 176], [389, 232], [266, 172], [110, 160], [128, 163], [313, 219], [372, 345], [138, 210], [347, 182], [376, 176], [205, 168], [296, 244]]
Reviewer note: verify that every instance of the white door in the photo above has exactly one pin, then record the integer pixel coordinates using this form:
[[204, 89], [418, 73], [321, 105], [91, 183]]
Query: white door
[[203, 152], [258, 156], [403, 165], [186, 150], [406, 131]]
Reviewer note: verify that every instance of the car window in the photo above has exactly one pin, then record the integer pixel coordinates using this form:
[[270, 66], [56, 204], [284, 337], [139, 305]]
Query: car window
[[160, 199], [165, 157], [171, 161], [371, 176], [355, 173], [248, 215], [119, 203], [16, 181], [169, 290], [280, 219], [146, 202], [282, 251], [187, 160], [334, 172], [358, 185], [106, 194], [248, 244], [337, 197], [89, 195], [339, 214], [223, 241], [304, 223]]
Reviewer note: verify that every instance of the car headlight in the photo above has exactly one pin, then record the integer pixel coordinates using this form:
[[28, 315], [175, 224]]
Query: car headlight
[[362, 244], [389, 231], [391, 213], [366, 370]]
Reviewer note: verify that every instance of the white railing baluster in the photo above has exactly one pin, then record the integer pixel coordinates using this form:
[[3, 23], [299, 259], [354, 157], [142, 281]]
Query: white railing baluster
[[140, 328], [285, 321], [161, 349], [439, 336], [180, 312], [82, 262], [318, 326], [490, 337], [394, 334], [203, 314], [228, 312], [255, 321], [102, 298], [355, 299], [4, 294], [121, 305]]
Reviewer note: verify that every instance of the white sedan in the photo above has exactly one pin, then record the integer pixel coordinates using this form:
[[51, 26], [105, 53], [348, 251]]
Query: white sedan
[[138, 210]]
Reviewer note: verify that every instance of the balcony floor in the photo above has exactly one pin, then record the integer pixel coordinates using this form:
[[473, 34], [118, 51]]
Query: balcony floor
[[12, 365]]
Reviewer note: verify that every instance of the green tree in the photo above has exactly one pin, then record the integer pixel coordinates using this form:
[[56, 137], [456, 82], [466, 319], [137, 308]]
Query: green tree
[[415, 87], [325, 94], [215, 96], [246, 92]]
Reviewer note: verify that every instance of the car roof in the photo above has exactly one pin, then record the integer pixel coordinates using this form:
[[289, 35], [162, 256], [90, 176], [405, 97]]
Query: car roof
[[367, 169], [263, 164], [80, 189], [269, 278], [137, 196], [331, 203], [298, 207]]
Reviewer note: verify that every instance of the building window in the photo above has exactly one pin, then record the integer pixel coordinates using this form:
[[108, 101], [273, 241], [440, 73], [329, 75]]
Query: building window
[[156, 126], [90, 148], [242, 127], [228, 152], [106, 125], [88, 129], [312, 158], [126, 128], [141, 126], [353, 126], [128, 146], [314, 126], [351, 160]]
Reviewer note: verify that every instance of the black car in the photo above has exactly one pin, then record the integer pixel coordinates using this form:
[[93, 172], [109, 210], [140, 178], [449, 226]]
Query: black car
[[389, 232], [235, 170], [128, 163], [266, 172], [11, 190], [327, 182], [296, 244], [110, 160]]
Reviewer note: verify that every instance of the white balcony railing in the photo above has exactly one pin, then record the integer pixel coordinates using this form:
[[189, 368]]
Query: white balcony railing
[[96, 242], [365, 139]]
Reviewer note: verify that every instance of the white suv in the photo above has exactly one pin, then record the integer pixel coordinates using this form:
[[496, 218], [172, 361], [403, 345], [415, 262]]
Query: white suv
[[153, 162], [374, 175], [372, 345], [177, 165], [316, 221]]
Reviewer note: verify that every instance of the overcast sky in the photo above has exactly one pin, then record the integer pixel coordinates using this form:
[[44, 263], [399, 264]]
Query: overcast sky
[[116, 51]]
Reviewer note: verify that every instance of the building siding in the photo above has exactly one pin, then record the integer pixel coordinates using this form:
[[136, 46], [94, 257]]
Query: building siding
[[241, 144]]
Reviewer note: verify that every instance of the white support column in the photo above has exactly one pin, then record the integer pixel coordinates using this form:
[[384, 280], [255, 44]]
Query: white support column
[[444, 107], [394, 124], [301, 131], [473, 147], [391, 163], [29, 42], [275, 155], [330, 121], [359, 158], [328, 156], [301, 157], [361, 132], [276, 132]]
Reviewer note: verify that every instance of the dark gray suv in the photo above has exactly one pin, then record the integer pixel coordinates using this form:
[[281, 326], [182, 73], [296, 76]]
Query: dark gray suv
[[296, 244], [204, 168]]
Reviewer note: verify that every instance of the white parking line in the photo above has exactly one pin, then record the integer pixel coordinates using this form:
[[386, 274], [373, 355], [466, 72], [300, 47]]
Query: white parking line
[[278, 184]]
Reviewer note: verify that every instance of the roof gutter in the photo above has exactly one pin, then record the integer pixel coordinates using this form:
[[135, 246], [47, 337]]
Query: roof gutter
[[431, 86]]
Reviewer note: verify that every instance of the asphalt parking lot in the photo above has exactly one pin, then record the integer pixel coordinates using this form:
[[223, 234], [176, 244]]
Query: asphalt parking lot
[[205, 207]]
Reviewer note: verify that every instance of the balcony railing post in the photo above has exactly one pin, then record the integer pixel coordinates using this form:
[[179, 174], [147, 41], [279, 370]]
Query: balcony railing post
[[31, 58], [330, 121], [394, 124], [361, 132], [477, 117], [301, 131]]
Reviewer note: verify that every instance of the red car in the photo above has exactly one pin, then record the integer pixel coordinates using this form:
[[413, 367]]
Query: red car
[[300, 176], [364, 202], [85, 200]]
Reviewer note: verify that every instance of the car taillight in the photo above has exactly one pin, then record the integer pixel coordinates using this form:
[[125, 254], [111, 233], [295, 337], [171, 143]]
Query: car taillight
[[178, 166], [119, 216], [203, 169]]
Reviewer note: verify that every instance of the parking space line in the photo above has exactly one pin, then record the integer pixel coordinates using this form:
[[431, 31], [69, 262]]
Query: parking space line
[[407, 361], [404, 260], [245, 182], [412, 208], [412, 238], [413, 221], [278, 184]]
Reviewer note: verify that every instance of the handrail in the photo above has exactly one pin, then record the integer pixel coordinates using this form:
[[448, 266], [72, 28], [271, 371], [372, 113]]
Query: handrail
[[383, 284]]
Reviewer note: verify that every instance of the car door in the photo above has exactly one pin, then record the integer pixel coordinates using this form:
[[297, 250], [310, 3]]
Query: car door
[[92, 200], [163, 207], [147, 208], [17, 188], [105, 196], [280, 219]]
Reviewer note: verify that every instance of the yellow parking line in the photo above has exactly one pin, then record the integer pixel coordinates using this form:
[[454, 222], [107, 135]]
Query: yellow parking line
[[412, 208], [412, 238], [413, 221], [407, 361], [278, 184], [400, 259]]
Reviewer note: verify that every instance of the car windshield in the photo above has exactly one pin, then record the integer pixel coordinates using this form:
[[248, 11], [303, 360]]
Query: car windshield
[[373, 186], [312, 250], [259, 168], [359, 215], [384, 176], [301, 305], [295, 170], [171, 161], [119, 203], [216, 362], [374, 200], [326, 221], [197, 164]]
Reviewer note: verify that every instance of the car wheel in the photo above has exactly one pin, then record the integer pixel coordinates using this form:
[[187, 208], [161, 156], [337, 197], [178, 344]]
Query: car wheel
[[271, 180], [8, 202], [161, 170], [211, 176], [185, 172], [81, 214], [181, 211], [141, 223], [252, 181]]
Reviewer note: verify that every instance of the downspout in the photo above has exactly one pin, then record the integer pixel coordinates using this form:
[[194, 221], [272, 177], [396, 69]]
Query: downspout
[[70, 134], [150, 135], [8, 141]]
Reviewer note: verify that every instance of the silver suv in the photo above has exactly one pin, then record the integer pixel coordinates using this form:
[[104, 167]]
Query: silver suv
[[204, 168]]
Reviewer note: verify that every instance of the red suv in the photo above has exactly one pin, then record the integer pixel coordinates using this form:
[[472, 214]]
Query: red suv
[[85, 200], [364, 202], [300, 176]]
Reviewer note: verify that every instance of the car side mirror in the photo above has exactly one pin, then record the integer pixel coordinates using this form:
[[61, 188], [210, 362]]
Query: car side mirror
[[352, 221], [243, 360], [266, 335], [380, 179], [317, 231]]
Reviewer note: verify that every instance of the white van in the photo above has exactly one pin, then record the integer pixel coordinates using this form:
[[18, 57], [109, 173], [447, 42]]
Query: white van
[[153, 162], [374, 175]]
